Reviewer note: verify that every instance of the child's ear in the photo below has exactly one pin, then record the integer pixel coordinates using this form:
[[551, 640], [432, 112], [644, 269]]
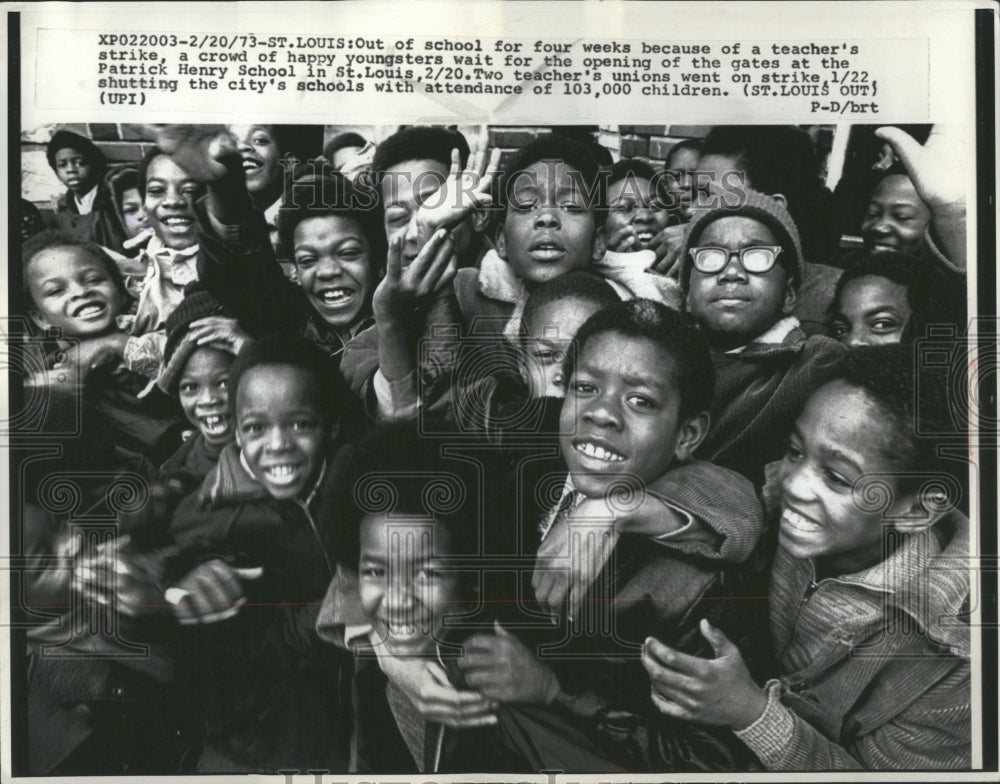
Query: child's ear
[[600, 246], [39, 320], [692, 433], [501, 245], [780, 198], [791, 296]]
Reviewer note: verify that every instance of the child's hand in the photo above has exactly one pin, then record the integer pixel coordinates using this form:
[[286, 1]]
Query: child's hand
[[715, 691], [207, 153], [403, 290], [624, 239], [667, 244], [571, 556], [219, 330], [126, 580], [502, 667], [426, 684], [935, 168], [78, 362], [462, 192], [209, 593]]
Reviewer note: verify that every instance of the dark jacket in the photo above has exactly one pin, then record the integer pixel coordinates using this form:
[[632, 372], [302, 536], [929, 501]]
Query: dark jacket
[[272, 695], [101, 224], [758, 394]]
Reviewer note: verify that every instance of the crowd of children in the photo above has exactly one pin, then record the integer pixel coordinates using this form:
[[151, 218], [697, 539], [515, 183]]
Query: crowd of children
[[455, 462]]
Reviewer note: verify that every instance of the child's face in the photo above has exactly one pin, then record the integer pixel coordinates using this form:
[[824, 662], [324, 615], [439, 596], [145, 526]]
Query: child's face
[[404, 590], [133, 212], [550, 334], [170, 197], [343, 155], [72, 291], [679, 180], [632, 201], [621, 417], [280, 428], [896, 218], [74, 171], [735, 306], [334, 268], [872, 311], [204, 394], [405, 187], [840, 436], [259, 149], [549, 228]]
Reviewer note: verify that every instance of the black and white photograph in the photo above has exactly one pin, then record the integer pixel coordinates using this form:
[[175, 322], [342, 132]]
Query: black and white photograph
[[381, 402]]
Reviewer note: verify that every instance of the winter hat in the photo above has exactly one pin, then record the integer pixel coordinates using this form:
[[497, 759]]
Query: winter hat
[[758, 206], [74, 141], [197, 304]]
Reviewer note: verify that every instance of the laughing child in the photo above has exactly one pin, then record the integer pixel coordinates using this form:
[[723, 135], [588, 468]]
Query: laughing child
[[632, 419], [866, 600]]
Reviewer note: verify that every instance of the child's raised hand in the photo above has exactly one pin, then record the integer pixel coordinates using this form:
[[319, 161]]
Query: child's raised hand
[[717, 691], [207, 153], [402, 290], [934, 167], [463, 191], [502, 667], [209, 593], [219, 330], [426, 684]]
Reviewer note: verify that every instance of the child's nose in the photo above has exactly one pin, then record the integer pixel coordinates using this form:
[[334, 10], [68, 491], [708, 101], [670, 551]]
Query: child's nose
[[173, 197], [795, 483], [329, 267], [733, 270], [277, 439], [547, 217], [603, 413]]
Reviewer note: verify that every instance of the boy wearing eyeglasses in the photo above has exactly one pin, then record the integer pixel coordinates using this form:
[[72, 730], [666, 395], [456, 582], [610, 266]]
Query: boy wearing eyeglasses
[[741, 266]]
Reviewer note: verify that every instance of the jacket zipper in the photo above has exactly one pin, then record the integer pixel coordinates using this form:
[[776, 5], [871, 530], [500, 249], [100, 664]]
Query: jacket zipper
[[319, 540]]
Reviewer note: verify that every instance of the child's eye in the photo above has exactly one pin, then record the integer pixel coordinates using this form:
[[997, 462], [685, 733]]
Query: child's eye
[[572, 207], [189, 190], [304, 424], [53, 291], [372, 573], [584, 388], [838, 330], [641, 401], [305, 261], [396, 216], [792, 452], [262, 141], [253, 428], [427, 574], [351, 254], [223, 383], [836, 480], [884, 325], [157, 191], [188, 387]]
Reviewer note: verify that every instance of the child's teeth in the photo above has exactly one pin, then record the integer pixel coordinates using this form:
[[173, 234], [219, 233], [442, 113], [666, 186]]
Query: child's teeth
[[90, 310], [599, 452], [795, 520], [280, 472]]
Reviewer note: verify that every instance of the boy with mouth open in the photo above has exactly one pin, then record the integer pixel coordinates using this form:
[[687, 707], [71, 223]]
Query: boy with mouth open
[[251, 562], [641, 539], [867, 599]]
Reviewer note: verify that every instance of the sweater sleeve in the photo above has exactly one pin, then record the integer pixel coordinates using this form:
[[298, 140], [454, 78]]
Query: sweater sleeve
[[238, 267], [933, 732]]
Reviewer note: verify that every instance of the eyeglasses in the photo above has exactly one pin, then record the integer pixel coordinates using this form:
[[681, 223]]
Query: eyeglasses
[[756, 260]]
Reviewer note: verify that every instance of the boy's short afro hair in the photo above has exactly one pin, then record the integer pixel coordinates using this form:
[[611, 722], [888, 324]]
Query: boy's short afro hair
[[302, 142], [59, 238], [898, 267], [684, 144], [675, 333], [151, 155], [558, 149], [576, 285], [321, 190], [398, 468], [914, 399], [62, 140], [419, 143], [294, 351]]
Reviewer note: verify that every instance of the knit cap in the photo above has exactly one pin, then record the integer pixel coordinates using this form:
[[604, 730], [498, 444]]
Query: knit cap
[[62, 140], [758, 206], [197, 304]]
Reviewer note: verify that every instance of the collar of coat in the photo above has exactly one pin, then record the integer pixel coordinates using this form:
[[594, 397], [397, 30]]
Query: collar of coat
[[232, 482]]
